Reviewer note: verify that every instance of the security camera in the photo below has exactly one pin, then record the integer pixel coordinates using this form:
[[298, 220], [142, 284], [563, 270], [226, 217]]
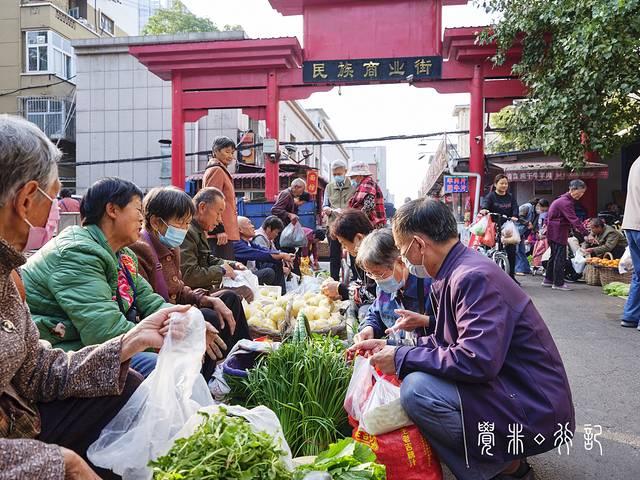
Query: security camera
[[478, 138], [410, 79]]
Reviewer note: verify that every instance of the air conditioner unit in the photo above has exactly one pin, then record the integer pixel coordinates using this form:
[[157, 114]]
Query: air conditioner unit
[[74, 12]]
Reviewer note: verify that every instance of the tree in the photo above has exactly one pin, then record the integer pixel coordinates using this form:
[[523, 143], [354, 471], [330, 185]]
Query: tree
[[177, 19], [507, 139], [580, 63]]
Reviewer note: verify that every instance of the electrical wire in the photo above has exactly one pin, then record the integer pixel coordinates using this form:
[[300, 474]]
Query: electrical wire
[[255, 145], [37, 86]]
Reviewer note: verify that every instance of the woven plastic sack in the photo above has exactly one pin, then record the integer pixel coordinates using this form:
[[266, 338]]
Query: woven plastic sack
[[143, 430]]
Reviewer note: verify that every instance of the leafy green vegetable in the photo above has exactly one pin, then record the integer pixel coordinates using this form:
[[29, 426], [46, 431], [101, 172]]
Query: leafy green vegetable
[[346, 460], [222, 448], [617, 289], [304, 383]]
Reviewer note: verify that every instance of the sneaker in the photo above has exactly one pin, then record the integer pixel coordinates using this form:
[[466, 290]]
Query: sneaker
[[521, 274], [546, 283], [627, 324], [563, 288]]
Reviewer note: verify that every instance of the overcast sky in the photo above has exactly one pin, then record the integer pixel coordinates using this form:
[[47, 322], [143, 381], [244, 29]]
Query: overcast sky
[[362, 111]]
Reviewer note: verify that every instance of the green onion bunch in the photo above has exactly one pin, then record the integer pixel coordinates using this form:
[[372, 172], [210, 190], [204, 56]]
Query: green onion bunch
[[304, 383]]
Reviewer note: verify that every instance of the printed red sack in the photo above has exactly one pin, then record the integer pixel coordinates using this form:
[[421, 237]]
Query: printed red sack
[[405, 453]]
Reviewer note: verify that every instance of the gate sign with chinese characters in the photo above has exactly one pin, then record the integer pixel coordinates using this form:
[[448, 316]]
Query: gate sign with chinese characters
[[372, 70], [456, 184]]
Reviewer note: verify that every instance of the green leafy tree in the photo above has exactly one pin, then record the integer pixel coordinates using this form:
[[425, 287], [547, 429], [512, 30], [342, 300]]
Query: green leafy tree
[[508, 139], [580, 63], [177, 19]]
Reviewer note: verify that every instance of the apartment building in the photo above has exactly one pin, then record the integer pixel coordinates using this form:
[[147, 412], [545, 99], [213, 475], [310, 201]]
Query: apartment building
[[38, 64]]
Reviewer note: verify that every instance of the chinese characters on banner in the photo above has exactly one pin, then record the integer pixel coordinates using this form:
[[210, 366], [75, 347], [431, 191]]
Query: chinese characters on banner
[[312, 182], [369, 70], [563, 439], [551, 175], [456, 184]]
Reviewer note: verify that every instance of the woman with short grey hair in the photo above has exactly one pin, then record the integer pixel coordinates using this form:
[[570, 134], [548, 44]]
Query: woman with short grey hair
[[560, 219], [402, 306], [51, 402]]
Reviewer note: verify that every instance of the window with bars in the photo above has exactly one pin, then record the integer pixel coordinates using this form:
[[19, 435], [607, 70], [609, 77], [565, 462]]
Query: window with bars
[[107, 24], [50, 114], [49, 52]]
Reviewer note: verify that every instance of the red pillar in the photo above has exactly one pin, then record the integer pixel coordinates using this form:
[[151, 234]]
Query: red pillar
[[590, 198], [272, 178], [476, 128], [177, 133]]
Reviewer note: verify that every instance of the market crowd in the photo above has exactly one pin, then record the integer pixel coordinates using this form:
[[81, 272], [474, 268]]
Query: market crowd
[[83, 317]]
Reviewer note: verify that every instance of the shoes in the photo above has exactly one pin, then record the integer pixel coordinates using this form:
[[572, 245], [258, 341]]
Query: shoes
[[547, 284], [524, 472], [521, 274], [563, 288], [626, 324], [569, 280]]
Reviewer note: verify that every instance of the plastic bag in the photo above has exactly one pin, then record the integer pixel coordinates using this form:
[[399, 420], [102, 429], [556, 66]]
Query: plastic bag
[[244, 278], [383, 413], [510, 234], [480, 226], [359, 389], [143, 430], [293, 236], [579, 262], [626, 263], [260, 418], [489, 237]]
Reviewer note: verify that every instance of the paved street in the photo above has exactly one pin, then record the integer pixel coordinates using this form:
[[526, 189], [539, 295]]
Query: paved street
[[601, 359]]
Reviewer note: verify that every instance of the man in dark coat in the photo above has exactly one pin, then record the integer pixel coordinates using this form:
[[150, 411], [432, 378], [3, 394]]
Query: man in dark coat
[[490, 379]]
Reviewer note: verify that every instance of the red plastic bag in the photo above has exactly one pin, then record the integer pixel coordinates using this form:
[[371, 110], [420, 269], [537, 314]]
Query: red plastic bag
[[489, 237], [405, 453]]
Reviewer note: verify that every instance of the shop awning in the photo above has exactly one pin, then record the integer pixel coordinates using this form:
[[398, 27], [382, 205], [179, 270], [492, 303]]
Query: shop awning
[[540, 170]]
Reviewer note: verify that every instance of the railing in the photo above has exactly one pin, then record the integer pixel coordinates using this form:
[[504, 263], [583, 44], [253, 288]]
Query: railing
[[55, 116]]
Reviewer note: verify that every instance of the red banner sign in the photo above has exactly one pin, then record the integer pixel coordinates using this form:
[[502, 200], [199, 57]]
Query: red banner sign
[[312, 182]]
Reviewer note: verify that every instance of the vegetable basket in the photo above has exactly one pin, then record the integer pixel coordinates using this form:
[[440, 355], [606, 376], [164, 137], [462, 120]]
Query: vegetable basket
[[611, 274], [592, 275]]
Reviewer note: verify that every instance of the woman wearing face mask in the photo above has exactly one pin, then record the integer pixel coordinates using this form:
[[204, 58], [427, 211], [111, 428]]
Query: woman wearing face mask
[[402, 305], [167, 214], [501, 202], [217, 175], [85, 287], [350, 228], [53, 404]]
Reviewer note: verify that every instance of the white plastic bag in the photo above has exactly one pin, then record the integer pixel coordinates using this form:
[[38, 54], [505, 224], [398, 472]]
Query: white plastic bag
[[359, 388], [510, 234], [293, 236], [374, 401], [244, 278], [143, 430], [626, 263], [479, 227], [579, 262], [261, 419]]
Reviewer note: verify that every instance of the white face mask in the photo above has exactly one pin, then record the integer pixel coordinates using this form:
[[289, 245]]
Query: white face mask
[[418, 271]]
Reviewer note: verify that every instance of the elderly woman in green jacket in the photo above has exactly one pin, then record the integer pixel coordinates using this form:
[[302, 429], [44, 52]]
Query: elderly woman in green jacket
[[84, 287]]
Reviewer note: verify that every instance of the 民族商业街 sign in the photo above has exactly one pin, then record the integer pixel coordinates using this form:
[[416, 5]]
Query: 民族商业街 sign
[[370, 70]]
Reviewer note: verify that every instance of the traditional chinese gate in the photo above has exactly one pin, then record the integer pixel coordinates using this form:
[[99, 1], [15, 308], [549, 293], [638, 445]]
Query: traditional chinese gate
[[347, 42]]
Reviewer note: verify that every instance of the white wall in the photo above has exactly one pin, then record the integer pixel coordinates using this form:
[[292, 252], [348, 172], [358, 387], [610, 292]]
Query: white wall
[[122, 112], [291, 123], [125, 14]]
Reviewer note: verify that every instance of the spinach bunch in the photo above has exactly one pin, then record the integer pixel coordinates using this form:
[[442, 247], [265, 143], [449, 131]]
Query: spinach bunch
[[222, 448]]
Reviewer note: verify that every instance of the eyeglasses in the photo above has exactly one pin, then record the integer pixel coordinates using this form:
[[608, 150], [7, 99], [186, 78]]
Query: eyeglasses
[[404, 255]]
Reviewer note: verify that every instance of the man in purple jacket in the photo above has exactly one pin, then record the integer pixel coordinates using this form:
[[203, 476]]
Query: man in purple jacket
[[561, 217], [488, 387]]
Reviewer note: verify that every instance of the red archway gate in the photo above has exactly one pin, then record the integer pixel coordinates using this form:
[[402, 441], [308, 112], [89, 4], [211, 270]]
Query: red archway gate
[[347, 42]]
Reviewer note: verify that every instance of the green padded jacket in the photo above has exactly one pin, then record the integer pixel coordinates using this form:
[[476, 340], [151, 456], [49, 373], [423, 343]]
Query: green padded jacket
[[71, 289]]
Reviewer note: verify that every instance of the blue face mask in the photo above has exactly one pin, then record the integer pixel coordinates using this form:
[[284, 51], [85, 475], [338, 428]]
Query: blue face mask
[[174, 236], [354, 183], [390, 284], [339, 178]]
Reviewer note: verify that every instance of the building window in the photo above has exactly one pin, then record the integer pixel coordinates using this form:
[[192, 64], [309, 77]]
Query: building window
[[106, 24], [53, 115], [48, 52]]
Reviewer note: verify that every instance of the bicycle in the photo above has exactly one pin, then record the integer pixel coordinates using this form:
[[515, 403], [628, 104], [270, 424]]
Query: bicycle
[[497, 253]]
